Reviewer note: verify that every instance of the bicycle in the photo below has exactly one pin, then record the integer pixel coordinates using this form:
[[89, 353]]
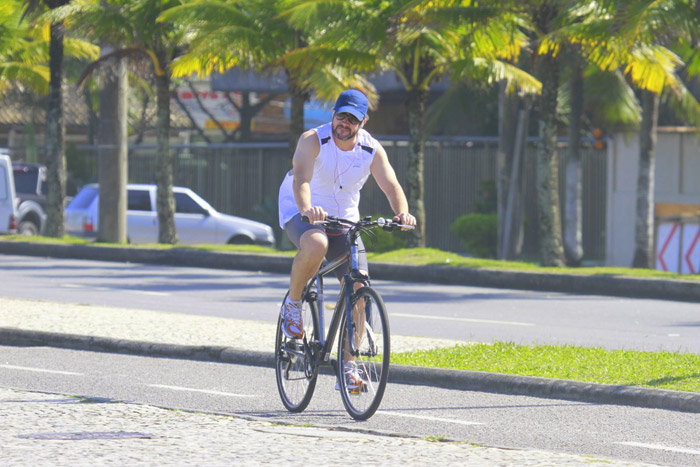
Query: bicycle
[[363, 343]]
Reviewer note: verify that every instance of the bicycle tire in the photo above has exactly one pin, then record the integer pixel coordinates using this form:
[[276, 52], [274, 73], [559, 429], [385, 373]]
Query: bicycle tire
[[372, 361], [295, 375]]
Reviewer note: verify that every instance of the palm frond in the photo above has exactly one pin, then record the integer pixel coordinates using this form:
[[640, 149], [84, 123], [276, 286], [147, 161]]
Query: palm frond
[[306, 59], [205, 64], [34, 76], [304, 13], [493, 71], [327, 82], [206, 16], [651, 67], [610, 99], [81, 49], [683, 101]]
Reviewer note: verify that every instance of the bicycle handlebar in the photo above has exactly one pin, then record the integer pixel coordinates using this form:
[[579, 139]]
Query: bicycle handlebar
[[382, 222]]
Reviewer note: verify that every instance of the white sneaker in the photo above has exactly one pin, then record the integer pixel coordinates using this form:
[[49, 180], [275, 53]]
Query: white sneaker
[[353, 378], [292, 326]]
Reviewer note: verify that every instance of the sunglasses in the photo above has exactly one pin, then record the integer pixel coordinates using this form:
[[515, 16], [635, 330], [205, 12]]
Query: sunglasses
[[344, 116]]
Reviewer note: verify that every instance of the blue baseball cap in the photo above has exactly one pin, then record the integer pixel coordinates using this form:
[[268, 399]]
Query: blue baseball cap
[[352, 102]]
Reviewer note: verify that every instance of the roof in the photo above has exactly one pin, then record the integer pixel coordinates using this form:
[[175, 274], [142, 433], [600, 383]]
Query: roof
[[236, 79], [19, 108]]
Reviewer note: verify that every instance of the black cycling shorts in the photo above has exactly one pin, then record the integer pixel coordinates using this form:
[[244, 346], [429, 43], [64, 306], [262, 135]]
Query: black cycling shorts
[[338, 243]]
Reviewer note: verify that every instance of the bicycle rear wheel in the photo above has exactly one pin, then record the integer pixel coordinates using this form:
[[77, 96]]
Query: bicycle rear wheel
[[371, 357], [295, 373]]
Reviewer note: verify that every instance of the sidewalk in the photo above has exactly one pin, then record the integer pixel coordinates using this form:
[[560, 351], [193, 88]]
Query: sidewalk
[[153, 333], [55, 430]]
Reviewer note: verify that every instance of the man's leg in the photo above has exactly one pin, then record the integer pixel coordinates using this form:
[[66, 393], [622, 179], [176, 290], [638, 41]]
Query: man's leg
[[313, 245]]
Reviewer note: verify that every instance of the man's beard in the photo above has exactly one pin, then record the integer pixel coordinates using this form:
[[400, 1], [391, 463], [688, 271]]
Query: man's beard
[[351, 134]]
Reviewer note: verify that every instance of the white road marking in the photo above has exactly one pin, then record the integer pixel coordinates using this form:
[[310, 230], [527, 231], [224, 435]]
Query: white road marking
[[142, 292], [660, 447], [40, 370], [674, 335], [467, 320], [426, 417], [148, 292], [204, 391]]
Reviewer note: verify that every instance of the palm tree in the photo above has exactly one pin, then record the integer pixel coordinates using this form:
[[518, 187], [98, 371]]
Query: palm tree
[[22, 53], [260, 35], [55, 128], [420, 42], [546, 20], [646, 33], [674, 24], [592, 99], [573, 206], [134, 27], [112, 167]]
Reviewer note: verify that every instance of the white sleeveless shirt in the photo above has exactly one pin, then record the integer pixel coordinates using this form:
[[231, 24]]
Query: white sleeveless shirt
[[337, 179]]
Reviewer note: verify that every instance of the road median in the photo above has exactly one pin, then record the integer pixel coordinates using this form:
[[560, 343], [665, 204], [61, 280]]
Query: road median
[[450, 379]]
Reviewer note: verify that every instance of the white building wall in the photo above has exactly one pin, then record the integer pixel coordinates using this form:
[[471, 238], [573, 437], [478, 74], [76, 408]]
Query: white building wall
[[677, 181]]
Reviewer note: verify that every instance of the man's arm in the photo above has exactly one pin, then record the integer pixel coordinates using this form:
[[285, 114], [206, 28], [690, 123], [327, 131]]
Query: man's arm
[[384, 175], [305, 155]]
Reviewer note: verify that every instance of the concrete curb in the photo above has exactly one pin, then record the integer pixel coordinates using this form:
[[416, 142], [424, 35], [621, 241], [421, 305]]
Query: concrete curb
[[450, 379], [681, 290]]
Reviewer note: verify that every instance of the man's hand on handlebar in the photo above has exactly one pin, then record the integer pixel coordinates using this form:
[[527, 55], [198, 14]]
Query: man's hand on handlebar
[[405, 218], [314, 213]]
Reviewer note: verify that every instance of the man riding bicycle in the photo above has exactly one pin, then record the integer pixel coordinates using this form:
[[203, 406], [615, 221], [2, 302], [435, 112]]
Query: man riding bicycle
[[331, 164]]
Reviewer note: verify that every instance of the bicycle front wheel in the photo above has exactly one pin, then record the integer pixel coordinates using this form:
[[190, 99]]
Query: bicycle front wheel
[[294, 368], [363, 361]]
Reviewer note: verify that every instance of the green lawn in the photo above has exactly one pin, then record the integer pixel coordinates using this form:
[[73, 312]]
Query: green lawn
[[432, 256], [665, 370], [414, 256]]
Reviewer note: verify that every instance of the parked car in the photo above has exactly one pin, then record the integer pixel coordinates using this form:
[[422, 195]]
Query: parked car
[[8, 200], [196, 221], [30, 185]]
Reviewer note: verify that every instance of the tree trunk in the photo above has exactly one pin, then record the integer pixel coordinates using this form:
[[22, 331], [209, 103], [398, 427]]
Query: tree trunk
[[165, 202], [113, 160], [644, 225], [501, 167], [93, 120], [55, 132], [296, 123], [415, 191], [513, 115], [573, 213], [512, 229], [549, 218], [246, 114]]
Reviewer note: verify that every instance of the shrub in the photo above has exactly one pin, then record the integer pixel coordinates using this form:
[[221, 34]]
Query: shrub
[[381, 241], [478, 233]]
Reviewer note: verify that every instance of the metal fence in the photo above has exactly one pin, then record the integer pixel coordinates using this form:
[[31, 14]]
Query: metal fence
[[243, 179]]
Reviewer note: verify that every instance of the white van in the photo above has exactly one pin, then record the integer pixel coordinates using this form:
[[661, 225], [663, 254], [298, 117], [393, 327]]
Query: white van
[[8, 200]]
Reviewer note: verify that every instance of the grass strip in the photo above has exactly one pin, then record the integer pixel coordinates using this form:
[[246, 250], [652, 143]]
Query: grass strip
[[68, 240], [435, 257], [661, 370], [410, 256]]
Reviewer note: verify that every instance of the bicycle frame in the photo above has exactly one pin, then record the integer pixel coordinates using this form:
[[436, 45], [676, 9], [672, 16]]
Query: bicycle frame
[[349, 279]]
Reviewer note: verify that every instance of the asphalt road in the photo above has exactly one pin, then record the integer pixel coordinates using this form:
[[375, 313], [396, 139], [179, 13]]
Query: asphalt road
[[609, 431], [445, 311]]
